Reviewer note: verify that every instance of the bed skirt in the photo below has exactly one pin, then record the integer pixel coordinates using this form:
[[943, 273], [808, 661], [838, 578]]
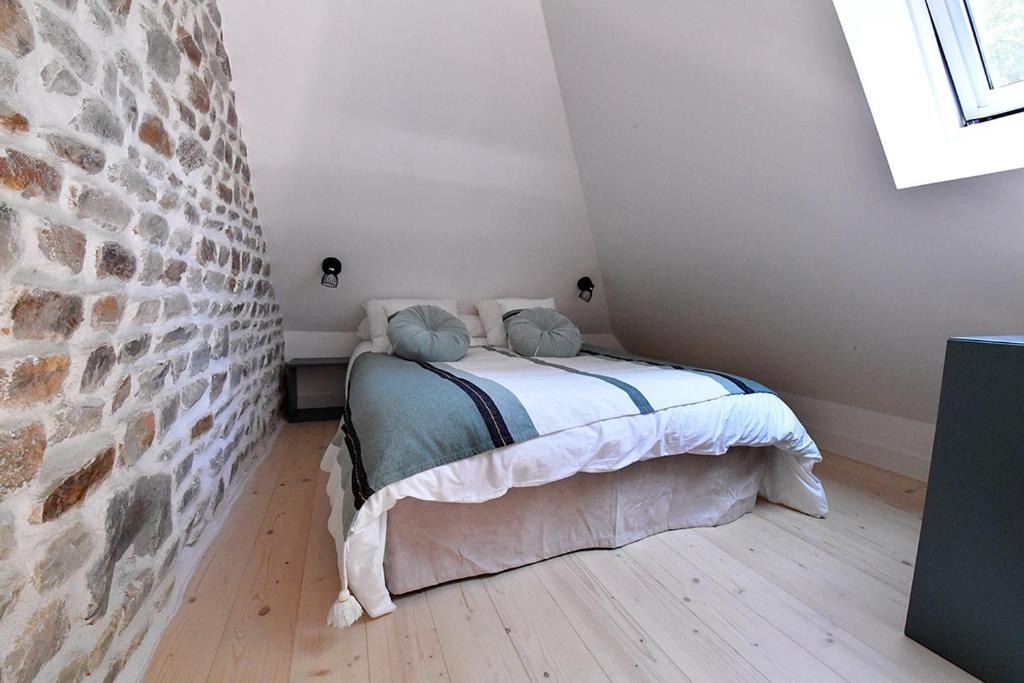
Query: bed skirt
[[430, 542]]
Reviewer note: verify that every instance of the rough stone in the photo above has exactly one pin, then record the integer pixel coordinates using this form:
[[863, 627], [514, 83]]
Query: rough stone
[[73, 490], [86, 157], [173, 271], [106, 313], [120, 8], [44, 636], [168, 414], [156, 93], [204, 425], [102, 646], [175, 305], [97, 119], [162, 55], [59, 34], [187, 116], [7, 539], [132, 179], [62, 244], [104, 209], [13, 121], [198, 95], [217, 384], [200, 359], [62, 557], [39, 314], [76, 421], [35, 380], [191, 394], [100, 362], [21, 453], [127, 65], [138, 517], [10, 589], [75, 671], [57, 79], [152, 380], [176, 337], [16, 34], [153, 133], [10, 243], [138, 437], [152, 267], [135, 597], [114, 260], [191, 154], [153, 228], [136, 348], [189, 46], [124, 390], [30, 176]]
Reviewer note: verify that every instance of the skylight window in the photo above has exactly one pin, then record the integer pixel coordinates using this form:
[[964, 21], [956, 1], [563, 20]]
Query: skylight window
[[983, 45]]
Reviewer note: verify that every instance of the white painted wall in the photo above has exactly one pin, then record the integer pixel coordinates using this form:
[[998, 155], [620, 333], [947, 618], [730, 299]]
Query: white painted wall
[[745, 216], [424, 144]]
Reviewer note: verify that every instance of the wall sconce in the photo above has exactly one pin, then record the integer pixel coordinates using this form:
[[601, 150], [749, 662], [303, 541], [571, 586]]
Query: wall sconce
[[332, 268], [586, 287]]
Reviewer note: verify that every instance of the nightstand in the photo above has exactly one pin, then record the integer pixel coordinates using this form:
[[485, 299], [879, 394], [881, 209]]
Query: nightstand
[[316, 388]]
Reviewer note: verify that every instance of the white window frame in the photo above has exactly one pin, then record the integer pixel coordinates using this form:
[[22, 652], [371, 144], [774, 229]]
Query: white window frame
[[960, 45], [913, 103]]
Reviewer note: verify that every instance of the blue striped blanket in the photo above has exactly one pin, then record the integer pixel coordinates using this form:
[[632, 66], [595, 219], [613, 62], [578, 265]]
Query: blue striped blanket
[[405, 417]]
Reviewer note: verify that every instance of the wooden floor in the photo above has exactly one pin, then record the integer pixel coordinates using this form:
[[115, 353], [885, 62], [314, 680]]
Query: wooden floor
[[774, 596]]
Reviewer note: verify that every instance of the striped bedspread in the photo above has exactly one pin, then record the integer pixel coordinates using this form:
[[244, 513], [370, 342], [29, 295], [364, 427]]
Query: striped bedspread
[[405, 417]]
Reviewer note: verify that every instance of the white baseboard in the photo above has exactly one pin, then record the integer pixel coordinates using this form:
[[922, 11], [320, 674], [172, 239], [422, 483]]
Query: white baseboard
[[892, 443]]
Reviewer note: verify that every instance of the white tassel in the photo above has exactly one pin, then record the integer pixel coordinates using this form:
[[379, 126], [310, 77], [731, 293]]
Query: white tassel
[[345, 611]]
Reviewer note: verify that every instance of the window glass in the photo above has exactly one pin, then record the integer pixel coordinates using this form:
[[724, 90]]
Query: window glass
[[999, 26]]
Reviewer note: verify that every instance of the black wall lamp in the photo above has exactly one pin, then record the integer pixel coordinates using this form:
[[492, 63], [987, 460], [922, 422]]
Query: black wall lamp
[[332, 269], [586, 287]]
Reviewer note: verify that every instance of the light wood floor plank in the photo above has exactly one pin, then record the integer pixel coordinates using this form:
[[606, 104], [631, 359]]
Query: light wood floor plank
[[320, 652], [869, 609], [189, 644], [694, 646], [770, 650], [472, 636], [846, 655], [616, 636], [545, 640], [781, 596], [257, 640], [403, 646]]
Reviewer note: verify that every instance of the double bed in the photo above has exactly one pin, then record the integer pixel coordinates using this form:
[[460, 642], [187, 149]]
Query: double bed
[[442, 471]]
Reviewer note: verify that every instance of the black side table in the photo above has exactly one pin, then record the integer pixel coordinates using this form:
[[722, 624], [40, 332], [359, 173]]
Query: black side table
[[301, 366]]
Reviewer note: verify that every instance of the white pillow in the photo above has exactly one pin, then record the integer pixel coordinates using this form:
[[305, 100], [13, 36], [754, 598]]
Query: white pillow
[[363, 331], [491, 311], [474, 324], [379, 310]]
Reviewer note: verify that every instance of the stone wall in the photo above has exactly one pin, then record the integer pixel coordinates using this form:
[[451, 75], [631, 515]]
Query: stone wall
[[140, 339]]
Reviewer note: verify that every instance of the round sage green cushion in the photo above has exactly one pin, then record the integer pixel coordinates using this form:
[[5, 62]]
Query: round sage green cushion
[[543, 332], [428, 333]]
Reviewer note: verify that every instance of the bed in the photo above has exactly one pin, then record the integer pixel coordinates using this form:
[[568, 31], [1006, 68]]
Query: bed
[[442, 471]]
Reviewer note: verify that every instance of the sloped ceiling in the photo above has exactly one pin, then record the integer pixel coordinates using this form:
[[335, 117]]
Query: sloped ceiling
[[744, 214], [424, 144]]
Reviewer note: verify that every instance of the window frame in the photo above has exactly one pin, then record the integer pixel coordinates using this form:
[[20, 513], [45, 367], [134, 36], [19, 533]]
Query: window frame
[[965, 61], [912, 100]]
